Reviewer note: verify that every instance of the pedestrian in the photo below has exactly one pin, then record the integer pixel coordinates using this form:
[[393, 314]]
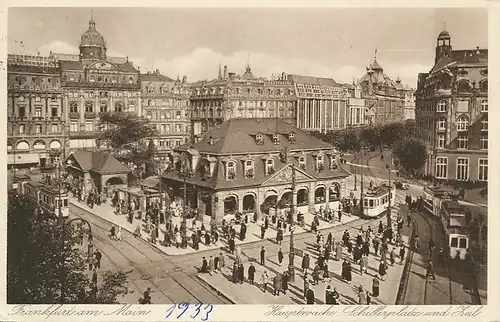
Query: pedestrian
[[146, 297], [402, 251], [153, 235], [94, 277], [137, 231], [178, 239], [329, 299], [376, 286], [315, 275], [430, 270], [382, 269], [306, 285], [241, 273], [119, 233], [262, 232], [380, 227], [112, 233], [235, 273], [349, 246], [231, 245], [98, 257], [264, 280], [262, 256], [277, 284], [338, 252], [361, 295], [305, 263], [348, 272], [222, 261], [204, 265], [210, 265], [216, 264], [362, 265], [284, 281], [251, 273], [310, 296], [279, 236], [280, 256], [392, 256]]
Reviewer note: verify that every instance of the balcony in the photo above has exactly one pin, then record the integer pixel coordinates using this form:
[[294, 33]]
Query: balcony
[[90, 115], [123, 86]]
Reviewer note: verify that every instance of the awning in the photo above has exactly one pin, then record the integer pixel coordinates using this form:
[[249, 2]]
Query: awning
[[24, 158]]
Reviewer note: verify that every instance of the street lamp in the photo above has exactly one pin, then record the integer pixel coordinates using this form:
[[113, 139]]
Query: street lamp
[[63, 230], [389, 208], [291, 266], [185, 173]]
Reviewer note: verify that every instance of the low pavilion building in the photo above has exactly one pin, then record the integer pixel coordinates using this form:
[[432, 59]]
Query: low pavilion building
[[245, 165]]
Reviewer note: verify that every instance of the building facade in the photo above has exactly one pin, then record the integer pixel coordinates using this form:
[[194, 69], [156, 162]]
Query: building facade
[[165, 103], [385, 98], [356, 107], [35, 110], [92, 84], [245, 164], [240, 96], [322, 103], [452, 113]]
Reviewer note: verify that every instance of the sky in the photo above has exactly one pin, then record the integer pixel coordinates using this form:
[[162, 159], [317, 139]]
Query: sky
[[338, 43]]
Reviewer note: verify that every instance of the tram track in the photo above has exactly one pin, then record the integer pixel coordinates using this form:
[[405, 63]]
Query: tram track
[[105, 240]]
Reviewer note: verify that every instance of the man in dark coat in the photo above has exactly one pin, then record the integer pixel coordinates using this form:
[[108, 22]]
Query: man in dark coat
[[98, 257], [280, 256], [204, 265], [305, 263], [380, 227], [310, 296], [284, 282], [231, 245], [266, 223], [251, 273], [262, 256], [235, 273], [241, 273], [262, 232], [329, 299]]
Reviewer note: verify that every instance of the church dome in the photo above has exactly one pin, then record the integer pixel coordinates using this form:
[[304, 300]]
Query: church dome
[[92, 37], [444, 35]]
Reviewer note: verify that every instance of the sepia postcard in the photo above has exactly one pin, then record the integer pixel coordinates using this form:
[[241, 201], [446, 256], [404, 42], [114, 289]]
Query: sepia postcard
[[255, 162]]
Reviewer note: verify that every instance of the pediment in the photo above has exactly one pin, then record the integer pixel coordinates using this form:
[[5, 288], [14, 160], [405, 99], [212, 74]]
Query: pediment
[[285, 176], [103, 65]]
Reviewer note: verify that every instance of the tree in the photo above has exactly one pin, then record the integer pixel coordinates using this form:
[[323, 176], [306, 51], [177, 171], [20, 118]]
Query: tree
[[392, 133], [371, 135], [410, 154], [126, 134], [41, 255]]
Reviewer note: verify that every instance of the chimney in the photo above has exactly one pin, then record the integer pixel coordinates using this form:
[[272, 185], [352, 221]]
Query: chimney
[[225, 71], [231, 75], [157, 71], [219, 77]]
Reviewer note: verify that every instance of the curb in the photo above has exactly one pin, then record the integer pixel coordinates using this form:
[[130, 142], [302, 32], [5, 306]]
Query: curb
[[213, 288]]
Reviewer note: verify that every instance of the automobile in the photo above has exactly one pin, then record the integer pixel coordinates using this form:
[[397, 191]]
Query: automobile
[[402, 185]]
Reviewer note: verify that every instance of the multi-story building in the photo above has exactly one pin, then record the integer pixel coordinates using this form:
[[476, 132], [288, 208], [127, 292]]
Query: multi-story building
[[452, 112], [165, 102], [92, 84], [240, 96], [35, 110], [322, 103], [355, 107], [409, 103], [245, 164], [385, 98]]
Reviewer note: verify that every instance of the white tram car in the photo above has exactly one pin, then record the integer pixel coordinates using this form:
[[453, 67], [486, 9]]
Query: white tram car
[[453, 217], [376, 200], [51, 201]]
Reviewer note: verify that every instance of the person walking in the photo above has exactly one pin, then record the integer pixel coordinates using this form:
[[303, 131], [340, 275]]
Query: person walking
[[362, 265], [241, 273], [329, 299], [402, 251], [361, 295], [284, 281], [94, 277], [310, 296], [204, 265], [98, 257], [382, 269], [210, 265], [262, 232], [119, 233], [338, 252], [264, 280], [348, 272], [376, 286], [222, 261], [235, 273], [315, 274], [146, 296], [306, 285], [392, 256], [262, 256], [251, 273], [112, 233], [137, 231], [280, 256], [430, 270], [277, 284], [305, 263], [216, 264]]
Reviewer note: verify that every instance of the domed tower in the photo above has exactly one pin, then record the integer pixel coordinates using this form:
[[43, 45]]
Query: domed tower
[[443, 47], [92, 44]]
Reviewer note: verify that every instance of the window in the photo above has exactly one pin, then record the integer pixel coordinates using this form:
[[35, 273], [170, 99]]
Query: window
[[38, 99], [441, 142], [38, 128], [462, 123], [38, 112], [53, 112], [73, 127], [482, 173], [231, 170], [484, 125], [484, 141], [89, 126], [89, 108], [463, 141], [276, 139], [21, 98], [259, 138], [302, 162], [320, 164], [462, 243], [441, 168], [484, 106], [103, 107], [177, 128], [169, 115], [249, 169], [441, 107], [454, 242], [462, 169], [21, 128], [441, 124], [291, 136], [269, 166], [54, 128], [148, 115], [178, 114]]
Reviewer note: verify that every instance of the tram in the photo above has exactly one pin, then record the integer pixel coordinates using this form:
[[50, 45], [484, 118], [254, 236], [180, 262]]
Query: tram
[[52, 202], [376, 200], [433, 196], [455, 219]]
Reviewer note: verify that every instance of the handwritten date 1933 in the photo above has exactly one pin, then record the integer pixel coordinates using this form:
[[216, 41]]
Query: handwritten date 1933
[[201, 311]]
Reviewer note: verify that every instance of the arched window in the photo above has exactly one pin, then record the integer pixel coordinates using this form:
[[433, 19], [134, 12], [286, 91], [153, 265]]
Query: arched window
[[462, 123], [320, 163], [463, 86], [231, 170], [249, 169], [302, 162], [269, 166], [483, 86]]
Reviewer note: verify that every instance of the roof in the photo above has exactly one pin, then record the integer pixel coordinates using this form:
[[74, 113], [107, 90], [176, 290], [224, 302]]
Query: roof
[[312, 80], [13, 68], [101, 162], [152, 182], [376, 66], [70, 65], [444, 35], [238, 136], [155, 77]]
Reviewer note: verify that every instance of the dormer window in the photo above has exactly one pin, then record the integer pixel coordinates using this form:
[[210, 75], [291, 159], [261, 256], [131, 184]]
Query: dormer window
[[231, 170], [259, 138], [249, 169], [320, 163], [269, 166], [302, 162], [276, 139], [291, 137], [333, 163]]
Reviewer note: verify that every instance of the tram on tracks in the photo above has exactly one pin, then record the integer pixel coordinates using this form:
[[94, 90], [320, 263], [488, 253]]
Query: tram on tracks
[[454, 219], [376, 200], [52, 202], [433, 196]]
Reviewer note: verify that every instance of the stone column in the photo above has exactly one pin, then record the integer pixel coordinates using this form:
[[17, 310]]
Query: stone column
[[217, 208], [312, 191], [327, 197], [240, 204], [258, 198], [82, 111], [201, 205], [306, 115], [297, 114]]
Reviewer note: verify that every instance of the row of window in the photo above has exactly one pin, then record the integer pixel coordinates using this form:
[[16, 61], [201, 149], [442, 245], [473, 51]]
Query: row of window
[[21, 80], [171, 143], [160, 115], [103, 107], [239, 91], [38, 128], [462, 169], [167, 128], [87, 94], [54, 111], [38, 99], [463, 141], [442, 106], [150, 89], [100, 79], [171, 102]]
